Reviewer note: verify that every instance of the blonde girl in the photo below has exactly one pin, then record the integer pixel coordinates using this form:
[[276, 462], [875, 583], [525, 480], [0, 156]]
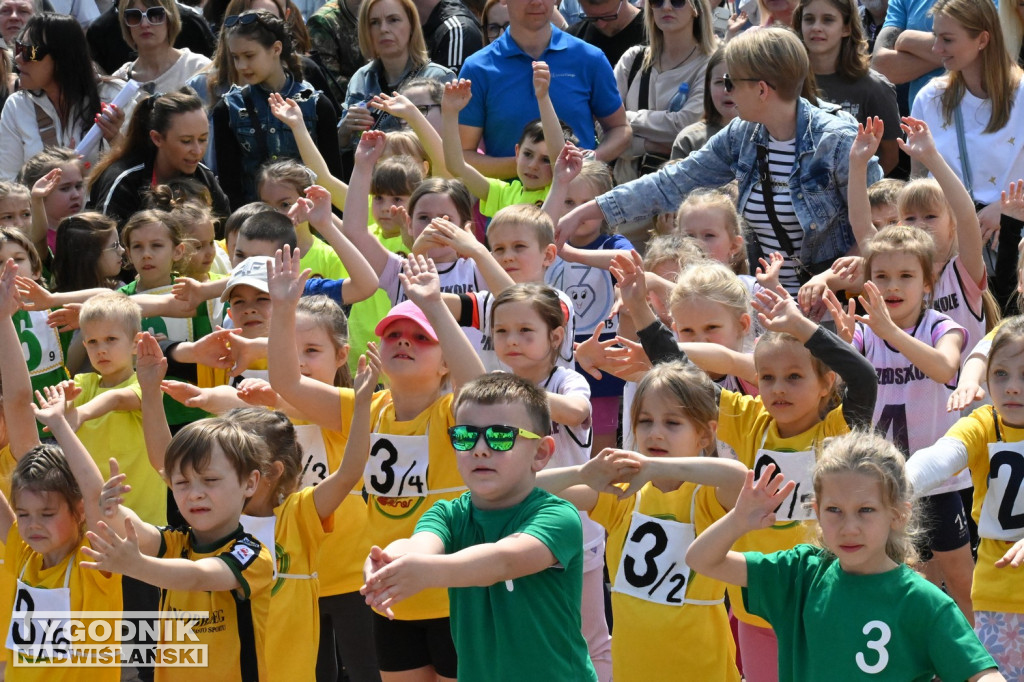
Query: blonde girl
[[850, 608], [56, 195], [681, 488], [916, 352], [987, 441], [710, 217], [411, 421], [528, 328], [798, 364], [15, 206]]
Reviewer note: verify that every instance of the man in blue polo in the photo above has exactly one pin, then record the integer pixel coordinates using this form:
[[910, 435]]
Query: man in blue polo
[[583, 90]]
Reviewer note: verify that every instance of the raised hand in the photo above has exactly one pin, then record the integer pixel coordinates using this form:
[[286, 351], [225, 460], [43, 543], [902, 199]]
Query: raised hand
[[919, 143], [1012, 203], [114, 490], [50, 405], [319, 209], [420, 281], [456, 96], [285, 110], [768, 274], [845, 318], [757, 502], [10, 299], [368, 374], [285, 277], [111, 553], [397, 105], [541, 79], [631, 281], [777, 310], [592, 353], [33, 295], [568, 164], [878, 317], [370, 148], [46, 184], [869, 137], [150, 363]]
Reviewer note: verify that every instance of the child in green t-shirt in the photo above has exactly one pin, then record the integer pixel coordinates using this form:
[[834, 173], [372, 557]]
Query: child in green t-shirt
[[511, 553]]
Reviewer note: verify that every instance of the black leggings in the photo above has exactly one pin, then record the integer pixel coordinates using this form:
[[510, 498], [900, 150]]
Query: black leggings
[[346, 640]]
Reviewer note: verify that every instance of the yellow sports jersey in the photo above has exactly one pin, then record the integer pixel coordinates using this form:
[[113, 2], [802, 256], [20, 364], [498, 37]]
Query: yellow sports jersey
[[89, 591], [235, 630], [648, 633], [345, 549], [744, 424], [209, 377], [7, 579], [994, 589], [119, 435], [414, 462], [293, 637], [323, 261]]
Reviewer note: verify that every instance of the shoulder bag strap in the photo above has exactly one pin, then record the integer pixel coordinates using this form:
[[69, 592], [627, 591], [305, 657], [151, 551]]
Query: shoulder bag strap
[[965, 161], [765, 176], [47, 128]]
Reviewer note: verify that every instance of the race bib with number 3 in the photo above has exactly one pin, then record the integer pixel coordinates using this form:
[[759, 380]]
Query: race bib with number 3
[[397, 466], [314, 455], [795, 466], [653, 565]]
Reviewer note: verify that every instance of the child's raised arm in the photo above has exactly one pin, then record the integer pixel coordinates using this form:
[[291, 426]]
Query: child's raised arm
[[151, 368], [362, 281], [318, 401], [921, 147], [865, 146], [711, 552], [17, 384], [423, 287], [568, 165], [400, 106], [357, 203], [549, 123], [289, 113], [332, 490], [443, 232], [456, 96]]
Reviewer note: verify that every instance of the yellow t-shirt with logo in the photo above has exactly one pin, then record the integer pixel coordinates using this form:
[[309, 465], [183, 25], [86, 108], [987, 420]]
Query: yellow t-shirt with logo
[[994, 589], [646, 645], [391, 518], [90, 591], [293, 628], [235, 630], [743, 421], [119, 435]]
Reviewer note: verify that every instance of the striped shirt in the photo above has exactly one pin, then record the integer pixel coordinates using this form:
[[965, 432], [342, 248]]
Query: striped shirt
[[781, 160]]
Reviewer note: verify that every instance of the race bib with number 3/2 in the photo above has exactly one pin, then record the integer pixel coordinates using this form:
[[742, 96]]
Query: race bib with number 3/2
[[653, 565]]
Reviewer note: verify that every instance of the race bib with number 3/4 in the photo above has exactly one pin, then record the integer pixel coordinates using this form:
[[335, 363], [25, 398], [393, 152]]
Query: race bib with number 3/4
[[397, 466]]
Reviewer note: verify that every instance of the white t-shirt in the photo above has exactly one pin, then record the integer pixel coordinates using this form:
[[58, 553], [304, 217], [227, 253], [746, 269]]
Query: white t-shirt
[[996, 159]]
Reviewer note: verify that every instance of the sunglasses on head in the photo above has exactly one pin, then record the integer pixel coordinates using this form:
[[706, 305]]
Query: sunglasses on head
[[241, 19], [154, 15], [678, 4], [498, 437], [730, 83], [30, 53]]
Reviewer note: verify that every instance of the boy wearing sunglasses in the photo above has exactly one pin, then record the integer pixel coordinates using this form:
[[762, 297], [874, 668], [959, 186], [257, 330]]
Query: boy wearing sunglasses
[[510, 553]]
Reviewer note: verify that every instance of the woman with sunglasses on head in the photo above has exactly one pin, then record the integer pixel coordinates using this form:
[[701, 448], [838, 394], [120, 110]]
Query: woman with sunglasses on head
[[150, 27], [166, 139], [390, 36], [799, 151], [662, 85], [246, 132], [61, 96]]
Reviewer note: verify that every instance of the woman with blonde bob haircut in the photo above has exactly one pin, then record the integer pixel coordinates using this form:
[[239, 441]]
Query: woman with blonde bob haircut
[[681, 42], [150, 28], [804, 151], [391, 37]]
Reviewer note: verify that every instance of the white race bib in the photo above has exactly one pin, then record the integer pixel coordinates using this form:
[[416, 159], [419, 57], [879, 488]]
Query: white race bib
[[1002, 512], [795, 466], [397, 466], [314, 455], [39, 343], [32, 635], [174, 328], [653, 565]]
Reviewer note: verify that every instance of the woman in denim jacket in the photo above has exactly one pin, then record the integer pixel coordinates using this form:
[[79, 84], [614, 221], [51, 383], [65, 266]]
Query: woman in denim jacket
[[246, 133], [390, 36], [805, 151]]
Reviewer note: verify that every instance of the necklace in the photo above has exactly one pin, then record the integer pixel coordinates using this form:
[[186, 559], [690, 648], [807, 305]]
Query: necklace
[[684, 60]]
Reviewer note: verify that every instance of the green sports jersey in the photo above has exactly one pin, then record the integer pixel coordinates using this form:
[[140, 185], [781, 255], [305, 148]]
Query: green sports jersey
[[838, 626]]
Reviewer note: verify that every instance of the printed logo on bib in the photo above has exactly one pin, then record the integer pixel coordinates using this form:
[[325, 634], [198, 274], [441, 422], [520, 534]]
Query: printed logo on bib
[[1002, 513], [314, 455], [795, 466], [653, 566], [39, 343]]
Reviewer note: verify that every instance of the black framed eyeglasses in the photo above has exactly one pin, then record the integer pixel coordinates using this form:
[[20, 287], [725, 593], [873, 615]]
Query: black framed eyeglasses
[[583, 16], [494, 31], [241, 19], [730, 83], [678, 4], [154, 15], [498, 437], [30, 53]]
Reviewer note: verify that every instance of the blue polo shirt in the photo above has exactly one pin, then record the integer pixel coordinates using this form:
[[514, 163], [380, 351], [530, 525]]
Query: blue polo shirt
[[911, 15], [582, 88]]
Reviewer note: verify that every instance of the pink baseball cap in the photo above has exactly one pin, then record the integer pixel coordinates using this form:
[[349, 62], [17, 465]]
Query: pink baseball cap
[[406, 310]]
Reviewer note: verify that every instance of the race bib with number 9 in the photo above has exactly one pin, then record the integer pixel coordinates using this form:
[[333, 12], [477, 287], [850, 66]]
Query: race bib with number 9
[[39, 343]]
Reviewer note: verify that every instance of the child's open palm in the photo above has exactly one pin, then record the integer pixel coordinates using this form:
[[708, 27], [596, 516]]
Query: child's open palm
[[878, 317], [568, 164], [541, 79], [318, 210], [397, 105], [150, 363], [10, 299], [257, 392], [285, 277], [869, 137], [456, 96], [1012, 203], [33, 296], [919, 143], [845, 318], [370, 147], [768, 274], [630, 280], [114, 490], [777, 310], [285, 110], [45, 185], [110, 552], [368, 374], [50, 405], [420, 281], [757, 502]]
